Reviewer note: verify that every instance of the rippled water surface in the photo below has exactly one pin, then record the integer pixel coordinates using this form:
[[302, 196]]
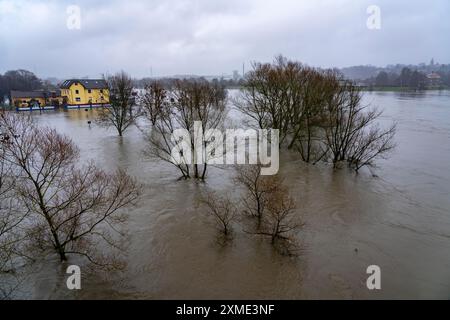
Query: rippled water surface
[[397, 217]]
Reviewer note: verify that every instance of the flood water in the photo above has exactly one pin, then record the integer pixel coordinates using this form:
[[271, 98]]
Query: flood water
[[396, 217]]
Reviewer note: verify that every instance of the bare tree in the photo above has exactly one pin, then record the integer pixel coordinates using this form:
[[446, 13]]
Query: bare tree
[[269, 201], [317, 113], [282, 222], [190, 102], [8, 238], [11, 217], [161, 144], [258, 189], [369, 145], [351, 132], [270, 93], [153, 100], [281, 219], [120, 113], [8, 221], [222, 209], [287, 96], [75, 209], [317, 87]]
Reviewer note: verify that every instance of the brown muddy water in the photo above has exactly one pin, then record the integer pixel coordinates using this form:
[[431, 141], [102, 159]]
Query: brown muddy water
[[397, 217]]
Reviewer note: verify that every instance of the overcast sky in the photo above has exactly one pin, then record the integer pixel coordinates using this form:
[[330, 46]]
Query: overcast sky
[[210, 37]]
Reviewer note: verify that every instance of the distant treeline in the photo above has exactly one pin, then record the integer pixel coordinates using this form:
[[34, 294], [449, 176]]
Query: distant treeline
[[416, 77], [422, 76], [411, 79], [169, 82]]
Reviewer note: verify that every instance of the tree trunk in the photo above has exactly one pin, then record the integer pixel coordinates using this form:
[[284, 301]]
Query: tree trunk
[[59, 248], [62, 254], [196, 171], [204, 172]]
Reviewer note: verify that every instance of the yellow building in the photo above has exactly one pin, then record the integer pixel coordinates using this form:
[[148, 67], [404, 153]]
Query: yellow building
[[38, 99], [87, 92]]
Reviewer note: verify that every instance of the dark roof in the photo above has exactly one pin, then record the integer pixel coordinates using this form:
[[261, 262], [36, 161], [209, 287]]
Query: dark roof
[[35, 94], [87, 83], [27, 94]]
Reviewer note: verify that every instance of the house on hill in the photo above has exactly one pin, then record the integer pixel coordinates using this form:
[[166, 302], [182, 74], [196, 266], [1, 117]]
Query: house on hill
[[434, 79]]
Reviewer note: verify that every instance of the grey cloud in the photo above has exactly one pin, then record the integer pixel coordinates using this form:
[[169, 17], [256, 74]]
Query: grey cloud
[[215, 37]]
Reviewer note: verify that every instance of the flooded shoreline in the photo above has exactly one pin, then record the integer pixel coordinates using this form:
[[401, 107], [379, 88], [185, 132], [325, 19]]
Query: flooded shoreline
[[397, 217]]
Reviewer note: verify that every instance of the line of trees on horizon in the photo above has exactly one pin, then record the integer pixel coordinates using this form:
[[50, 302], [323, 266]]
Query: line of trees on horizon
[[405, 76]]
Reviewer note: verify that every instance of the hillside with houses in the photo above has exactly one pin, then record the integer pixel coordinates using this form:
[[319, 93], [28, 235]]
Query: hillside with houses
[[400, 76]]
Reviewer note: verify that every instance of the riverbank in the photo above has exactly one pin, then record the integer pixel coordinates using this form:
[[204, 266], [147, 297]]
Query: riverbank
[[401, 89], [379, 89]]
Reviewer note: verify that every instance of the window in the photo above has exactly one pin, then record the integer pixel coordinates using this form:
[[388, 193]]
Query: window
[[89, 91], [77, 91], [77, 99], [101, 90]]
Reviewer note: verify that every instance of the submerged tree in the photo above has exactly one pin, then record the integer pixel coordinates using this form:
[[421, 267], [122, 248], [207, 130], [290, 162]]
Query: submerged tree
[[281, 219], [351, 132], [75, 208], [317, 113], [11, 217], [282, 222], [193, 110], [288, 96], [222, 209], [121, 112], [270, 94], [269, 201], [258, 189], [153, 100]]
